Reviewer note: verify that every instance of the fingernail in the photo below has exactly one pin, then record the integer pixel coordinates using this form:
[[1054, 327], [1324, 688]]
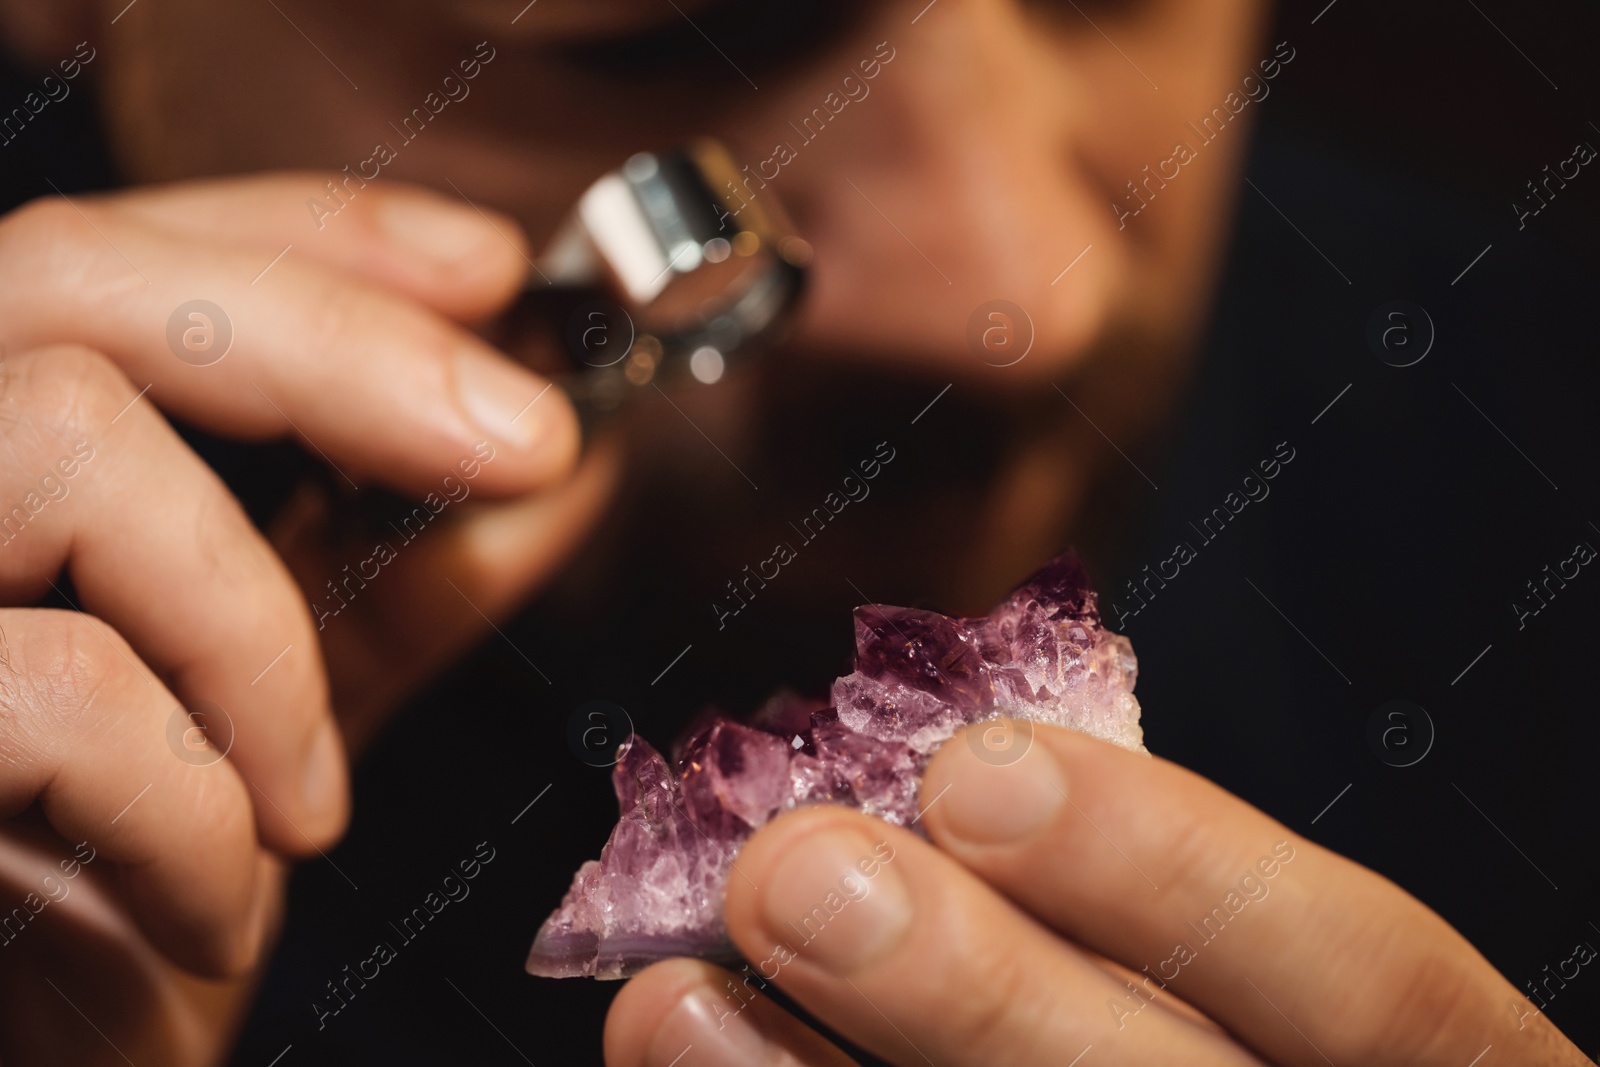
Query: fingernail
[[324, 773], [716, 1029], [438, 230], [836, 900], [990, 799], [501, 397]]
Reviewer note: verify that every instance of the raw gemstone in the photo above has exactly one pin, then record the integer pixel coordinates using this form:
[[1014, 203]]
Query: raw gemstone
[[656, 891]]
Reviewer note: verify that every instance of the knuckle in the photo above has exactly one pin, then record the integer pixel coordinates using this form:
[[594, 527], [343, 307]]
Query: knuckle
[[337, 319], [67, 393], [225, 823], [1009, 1012], [234, 561], [61, 673], [56, 264], [41, 225], [1425, 997], [1195, 856]]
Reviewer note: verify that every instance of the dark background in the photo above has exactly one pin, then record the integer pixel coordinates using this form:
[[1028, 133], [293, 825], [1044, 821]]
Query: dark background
[[1384, 561]]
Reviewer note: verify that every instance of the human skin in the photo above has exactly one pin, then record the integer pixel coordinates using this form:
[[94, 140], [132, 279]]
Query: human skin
[[186, 604], [995, 143], [1077, 895], [995, 140]]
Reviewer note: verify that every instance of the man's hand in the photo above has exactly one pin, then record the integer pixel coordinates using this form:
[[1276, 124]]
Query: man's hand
[[352, 338], [1081, 901]]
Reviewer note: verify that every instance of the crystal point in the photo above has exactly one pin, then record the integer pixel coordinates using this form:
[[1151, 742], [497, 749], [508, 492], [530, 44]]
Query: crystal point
[[656, 890]]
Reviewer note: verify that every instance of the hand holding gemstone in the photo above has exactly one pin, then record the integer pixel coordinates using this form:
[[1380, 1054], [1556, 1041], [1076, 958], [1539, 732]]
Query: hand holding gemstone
[[656, 891], [1077, 904]]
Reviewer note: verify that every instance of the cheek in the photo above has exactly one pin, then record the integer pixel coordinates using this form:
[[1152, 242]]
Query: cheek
[[1202, 52], [1020, 193]]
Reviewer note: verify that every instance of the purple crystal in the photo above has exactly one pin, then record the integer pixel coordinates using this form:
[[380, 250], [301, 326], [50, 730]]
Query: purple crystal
[[656, 890]]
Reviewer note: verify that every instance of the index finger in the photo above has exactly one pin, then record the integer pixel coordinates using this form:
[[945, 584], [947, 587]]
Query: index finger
[[451, 254], [381, 387], [88, 738], [1300, 952], [154, 544]]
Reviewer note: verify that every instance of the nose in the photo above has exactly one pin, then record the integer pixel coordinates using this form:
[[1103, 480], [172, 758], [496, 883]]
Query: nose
[[938, 180]]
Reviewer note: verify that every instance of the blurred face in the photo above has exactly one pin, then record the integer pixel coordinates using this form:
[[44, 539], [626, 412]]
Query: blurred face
[[937, 157]]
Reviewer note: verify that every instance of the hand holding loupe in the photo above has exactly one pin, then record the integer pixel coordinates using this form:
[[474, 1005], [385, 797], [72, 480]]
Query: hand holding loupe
[[663, 272]]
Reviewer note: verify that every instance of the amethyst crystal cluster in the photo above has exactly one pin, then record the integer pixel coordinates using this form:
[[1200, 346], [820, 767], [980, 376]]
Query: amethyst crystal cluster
[[919, 676]]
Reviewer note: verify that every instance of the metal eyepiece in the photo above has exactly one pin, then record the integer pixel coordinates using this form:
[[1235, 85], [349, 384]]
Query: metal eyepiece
[[669, 274]]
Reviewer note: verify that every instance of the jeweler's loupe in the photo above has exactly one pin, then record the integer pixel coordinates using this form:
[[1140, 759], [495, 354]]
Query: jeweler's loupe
[[677, 265]]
